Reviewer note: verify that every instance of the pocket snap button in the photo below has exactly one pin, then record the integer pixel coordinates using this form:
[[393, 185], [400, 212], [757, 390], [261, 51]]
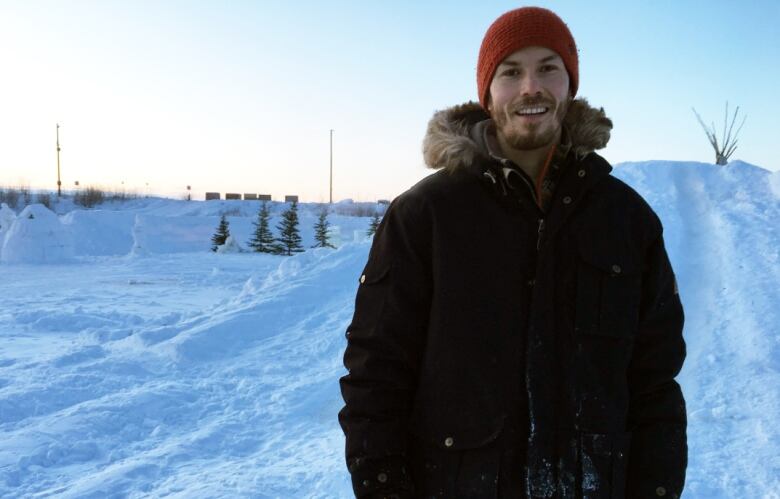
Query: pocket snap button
[[363, 279], [448, 442], [616, 269], [567, 200], [382, 477], [660, 491]]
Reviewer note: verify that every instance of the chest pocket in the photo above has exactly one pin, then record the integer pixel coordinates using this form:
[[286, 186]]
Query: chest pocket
[[608, 290]]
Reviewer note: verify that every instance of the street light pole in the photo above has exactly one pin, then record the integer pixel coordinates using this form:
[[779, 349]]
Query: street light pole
[[331, 166], [59, 182]]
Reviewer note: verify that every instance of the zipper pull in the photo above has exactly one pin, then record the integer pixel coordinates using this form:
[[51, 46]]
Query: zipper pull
[[539, 232]]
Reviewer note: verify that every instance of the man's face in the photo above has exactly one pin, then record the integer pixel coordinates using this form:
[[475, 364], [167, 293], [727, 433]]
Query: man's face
[[528, 98]]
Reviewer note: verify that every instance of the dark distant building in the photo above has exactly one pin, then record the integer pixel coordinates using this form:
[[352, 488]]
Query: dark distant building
[[210, 196], [291, 199], [250, 197], [232, 195], [264, 197]]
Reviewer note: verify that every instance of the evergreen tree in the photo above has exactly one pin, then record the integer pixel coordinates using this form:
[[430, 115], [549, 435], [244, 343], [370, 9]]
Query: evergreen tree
[[373, 225], [321, 231], [223, 232], [262, 241], [289, 240]]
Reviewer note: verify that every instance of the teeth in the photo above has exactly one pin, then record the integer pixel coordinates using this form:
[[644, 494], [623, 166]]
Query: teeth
[[532, 110]]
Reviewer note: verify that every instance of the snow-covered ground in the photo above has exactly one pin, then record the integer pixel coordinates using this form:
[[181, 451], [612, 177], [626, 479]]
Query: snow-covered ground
[[136, 363]]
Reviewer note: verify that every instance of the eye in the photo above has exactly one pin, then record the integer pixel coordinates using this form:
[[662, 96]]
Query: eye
[[510, 72], [547, 68]]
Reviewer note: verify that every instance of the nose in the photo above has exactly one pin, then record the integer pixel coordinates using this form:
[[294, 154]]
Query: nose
[[530, 85]]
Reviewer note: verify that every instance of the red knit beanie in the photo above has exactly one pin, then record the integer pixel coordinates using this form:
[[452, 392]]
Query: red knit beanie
[[520, 28]]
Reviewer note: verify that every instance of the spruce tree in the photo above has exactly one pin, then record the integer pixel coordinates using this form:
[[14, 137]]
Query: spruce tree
[[262, 241], [223, 232], [289, 240], [372, 227], [321, 231]]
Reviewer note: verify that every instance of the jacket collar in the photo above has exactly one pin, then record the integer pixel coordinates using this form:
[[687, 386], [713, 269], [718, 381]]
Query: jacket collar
[[454, 140]]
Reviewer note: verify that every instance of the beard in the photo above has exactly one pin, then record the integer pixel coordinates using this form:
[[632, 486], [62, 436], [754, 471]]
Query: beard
[[530, 136]]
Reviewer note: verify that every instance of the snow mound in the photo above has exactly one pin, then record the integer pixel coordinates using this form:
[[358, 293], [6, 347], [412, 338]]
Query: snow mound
[[231, 246], [37, 236], [722, 235]]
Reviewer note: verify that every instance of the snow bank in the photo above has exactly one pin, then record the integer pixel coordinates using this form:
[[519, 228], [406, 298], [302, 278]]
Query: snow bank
[[723, 237], [162, 226], [37, 236]]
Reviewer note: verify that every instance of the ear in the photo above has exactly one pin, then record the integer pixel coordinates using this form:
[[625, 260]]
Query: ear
[[489, 103]]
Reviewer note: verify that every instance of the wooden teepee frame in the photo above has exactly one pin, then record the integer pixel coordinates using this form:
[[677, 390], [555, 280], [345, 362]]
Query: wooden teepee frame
[[729, 143]]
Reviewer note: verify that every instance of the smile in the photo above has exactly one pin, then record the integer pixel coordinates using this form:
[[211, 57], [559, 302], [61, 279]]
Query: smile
[[531, 111]]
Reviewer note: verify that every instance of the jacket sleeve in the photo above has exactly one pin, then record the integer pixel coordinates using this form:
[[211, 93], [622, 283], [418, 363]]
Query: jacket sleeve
[[657, 417], [384, 346]]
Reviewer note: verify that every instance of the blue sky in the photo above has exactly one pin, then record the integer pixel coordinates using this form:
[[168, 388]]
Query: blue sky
[[241, 95]]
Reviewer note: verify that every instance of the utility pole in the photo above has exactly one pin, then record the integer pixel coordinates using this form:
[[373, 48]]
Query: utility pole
[[331, 166], [59, 182]]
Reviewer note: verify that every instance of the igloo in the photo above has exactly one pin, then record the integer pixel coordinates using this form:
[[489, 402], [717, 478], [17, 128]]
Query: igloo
[[36, 236]]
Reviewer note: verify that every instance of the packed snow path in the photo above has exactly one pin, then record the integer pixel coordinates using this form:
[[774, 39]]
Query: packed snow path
[[201, 375]]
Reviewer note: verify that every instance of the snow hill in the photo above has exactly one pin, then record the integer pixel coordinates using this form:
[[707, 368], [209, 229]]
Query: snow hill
[[136, 363]]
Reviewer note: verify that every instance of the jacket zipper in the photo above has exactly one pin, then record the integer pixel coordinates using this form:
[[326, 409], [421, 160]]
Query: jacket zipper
[[525, 179], [539, 234]]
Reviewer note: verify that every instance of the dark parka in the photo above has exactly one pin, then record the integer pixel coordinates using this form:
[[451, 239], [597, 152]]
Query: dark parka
[[500, 351]]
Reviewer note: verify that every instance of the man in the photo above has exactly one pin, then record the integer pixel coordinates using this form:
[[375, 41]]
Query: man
[[517, 328]]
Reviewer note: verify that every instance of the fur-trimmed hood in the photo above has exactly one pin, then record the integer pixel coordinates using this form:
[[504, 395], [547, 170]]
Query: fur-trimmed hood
[[449, 142]]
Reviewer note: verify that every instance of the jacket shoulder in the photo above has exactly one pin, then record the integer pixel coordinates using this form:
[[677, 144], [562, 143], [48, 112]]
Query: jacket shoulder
[[625, 199], [441, 187]]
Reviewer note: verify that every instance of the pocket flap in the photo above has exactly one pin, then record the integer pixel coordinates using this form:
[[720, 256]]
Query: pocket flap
[[614, 258], [608, 289], [372, 274], [459, 439]]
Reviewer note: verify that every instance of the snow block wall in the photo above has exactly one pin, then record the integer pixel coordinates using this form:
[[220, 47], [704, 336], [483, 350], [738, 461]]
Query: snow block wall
[[100, 232]]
